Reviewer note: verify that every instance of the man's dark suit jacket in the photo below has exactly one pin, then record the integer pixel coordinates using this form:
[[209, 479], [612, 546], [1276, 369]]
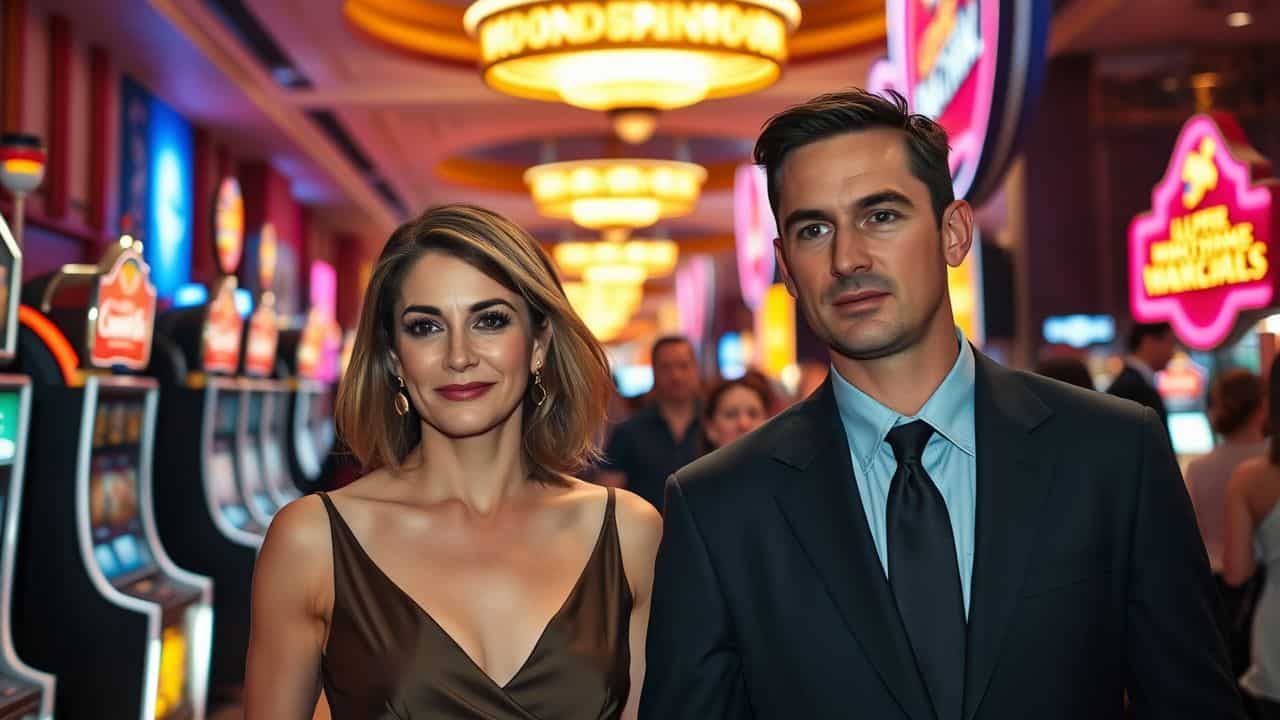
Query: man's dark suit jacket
[[1089, 576], [1131, 385]]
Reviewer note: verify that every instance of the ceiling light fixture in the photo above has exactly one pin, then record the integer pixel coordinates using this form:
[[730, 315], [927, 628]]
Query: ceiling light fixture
[[617, 193], [631, 54], [656, 257], [1239, 19]]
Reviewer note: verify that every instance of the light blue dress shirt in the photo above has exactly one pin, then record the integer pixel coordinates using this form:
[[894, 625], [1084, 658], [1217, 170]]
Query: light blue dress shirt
[[949, 457]]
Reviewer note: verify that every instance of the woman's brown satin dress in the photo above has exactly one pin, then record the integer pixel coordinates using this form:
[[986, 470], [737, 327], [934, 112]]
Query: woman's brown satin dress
[[387, 659]]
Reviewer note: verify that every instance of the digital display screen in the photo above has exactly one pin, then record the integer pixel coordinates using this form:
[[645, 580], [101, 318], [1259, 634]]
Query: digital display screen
[[222, 480], [1191, 433], [9, 407], [254, 421], [118, 422], [114, 519], [224, 422], [321, 422]]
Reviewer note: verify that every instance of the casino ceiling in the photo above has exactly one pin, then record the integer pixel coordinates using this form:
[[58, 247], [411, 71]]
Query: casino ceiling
[[370, 132]]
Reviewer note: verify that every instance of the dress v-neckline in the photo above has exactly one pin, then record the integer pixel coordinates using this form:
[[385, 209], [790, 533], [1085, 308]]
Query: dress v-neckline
[[504, 687]]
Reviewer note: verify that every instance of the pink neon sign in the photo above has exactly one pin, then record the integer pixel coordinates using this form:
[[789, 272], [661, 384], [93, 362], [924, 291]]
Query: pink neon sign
[[1202, 256], [753, 230], [974, 66]]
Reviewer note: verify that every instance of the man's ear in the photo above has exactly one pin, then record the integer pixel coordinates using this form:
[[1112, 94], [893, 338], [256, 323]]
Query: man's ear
[[957, 232], [780, 256]]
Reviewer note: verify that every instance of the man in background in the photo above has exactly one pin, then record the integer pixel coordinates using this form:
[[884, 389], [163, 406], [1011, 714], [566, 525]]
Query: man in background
[[664, 436], [1151, 347]]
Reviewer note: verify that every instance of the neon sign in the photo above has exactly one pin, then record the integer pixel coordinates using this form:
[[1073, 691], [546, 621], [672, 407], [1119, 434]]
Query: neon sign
[[753, 231], [975, 67], [1201, 257]]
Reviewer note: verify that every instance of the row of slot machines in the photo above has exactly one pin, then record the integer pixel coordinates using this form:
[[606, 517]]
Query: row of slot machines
[[139, 469]]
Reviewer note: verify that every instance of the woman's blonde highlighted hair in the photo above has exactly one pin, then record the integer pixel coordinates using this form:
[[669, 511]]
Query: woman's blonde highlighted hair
[[560, 433]]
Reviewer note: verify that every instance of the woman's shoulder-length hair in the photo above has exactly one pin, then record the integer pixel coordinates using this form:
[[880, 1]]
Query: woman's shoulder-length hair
[[560, 434]]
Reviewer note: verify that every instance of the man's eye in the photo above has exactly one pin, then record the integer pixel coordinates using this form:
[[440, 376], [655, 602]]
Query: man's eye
[[879, 217], [813, 232]]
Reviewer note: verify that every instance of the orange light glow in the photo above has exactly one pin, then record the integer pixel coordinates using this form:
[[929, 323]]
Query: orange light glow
[[53, 339]]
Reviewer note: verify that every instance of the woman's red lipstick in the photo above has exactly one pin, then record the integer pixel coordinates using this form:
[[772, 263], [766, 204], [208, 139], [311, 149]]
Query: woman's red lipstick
[[469, 391]]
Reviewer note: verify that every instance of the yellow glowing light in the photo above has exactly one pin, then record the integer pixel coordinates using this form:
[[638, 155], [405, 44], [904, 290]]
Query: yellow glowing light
[[611, 54], [657, 257], [173, 671], [614, 275], [615, 193], [776, 330], [23, 166], [606, 308]]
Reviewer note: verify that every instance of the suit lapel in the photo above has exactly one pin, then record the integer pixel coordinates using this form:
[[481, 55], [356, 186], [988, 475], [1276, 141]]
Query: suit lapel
[[1014, 476], [823, 508]]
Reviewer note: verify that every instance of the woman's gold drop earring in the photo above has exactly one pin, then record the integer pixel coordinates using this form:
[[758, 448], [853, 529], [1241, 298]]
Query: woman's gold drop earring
[[402, 398]]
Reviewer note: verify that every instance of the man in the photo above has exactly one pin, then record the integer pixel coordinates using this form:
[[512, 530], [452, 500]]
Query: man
[[930, 535], [1151, 347], [667, 434]]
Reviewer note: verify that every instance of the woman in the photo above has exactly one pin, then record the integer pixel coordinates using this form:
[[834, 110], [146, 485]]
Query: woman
[[1252, 532], [1238, 415], [468, 575], [734, 408]]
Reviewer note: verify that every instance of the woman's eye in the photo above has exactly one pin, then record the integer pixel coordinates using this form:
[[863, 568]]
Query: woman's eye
[[421, 328], [493, 320]]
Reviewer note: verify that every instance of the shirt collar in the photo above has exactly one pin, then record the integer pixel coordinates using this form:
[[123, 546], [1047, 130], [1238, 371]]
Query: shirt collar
[[1143, 369], [949, 410]]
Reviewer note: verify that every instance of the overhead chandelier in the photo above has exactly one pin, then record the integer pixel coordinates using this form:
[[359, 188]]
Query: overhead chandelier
[[605, 307], [655, 258], [631, 58], [615, 194]]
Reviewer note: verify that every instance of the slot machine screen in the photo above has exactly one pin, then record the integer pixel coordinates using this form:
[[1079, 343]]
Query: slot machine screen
[[224, 421], [9, 406], [321, 422], [255, 482], [115, 522], [222, 479]]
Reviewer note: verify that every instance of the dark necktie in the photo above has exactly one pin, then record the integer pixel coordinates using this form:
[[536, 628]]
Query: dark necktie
[[923, 571]]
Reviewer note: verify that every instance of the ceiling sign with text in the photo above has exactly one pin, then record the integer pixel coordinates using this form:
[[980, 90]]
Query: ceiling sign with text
[[974, 66], [1201, 259]]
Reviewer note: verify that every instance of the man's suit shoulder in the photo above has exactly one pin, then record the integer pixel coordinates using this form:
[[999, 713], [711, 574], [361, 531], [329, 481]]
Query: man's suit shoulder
[[1071, 403], [747, 463]]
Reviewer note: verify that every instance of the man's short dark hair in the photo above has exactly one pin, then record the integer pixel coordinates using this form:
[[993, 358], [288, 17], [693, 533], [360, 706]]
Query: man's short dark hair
[[664, 341], [1142, 331], [855, 110]]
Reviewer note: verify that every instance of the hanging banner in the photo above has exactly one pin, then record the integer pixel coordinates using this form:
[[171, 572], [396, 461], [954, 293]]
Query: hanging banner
[[975, 67], [1201, 258]]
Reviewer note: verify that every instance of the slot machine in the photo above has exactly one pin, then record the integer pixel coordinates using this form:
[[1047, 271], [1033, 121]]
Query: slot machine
[[205, 519], [98, 600], [264, 474], [24, 691], [312, 356]]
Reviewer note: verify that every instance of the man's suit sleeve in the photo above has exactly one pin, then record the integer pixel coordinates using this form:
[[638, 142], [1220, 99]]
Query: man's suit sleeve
[[1178, 665], [692, 667]]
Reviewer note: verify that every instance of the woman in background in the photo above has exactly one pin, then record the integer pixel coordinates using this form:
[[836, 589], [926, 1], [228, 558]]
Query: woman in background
[[1253, 534], [733, 409], [1238, 414], [468, 575]]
